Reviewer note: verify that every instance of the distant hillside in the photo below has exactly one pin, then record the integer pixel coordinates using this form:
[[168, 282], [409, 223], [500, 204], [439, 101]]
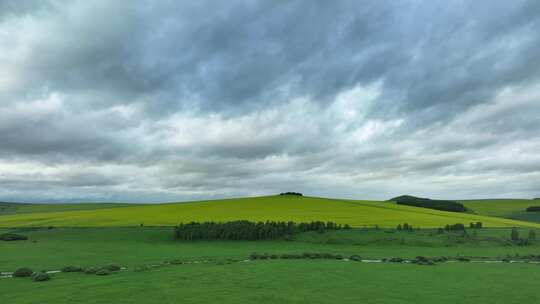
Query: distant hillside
[[444, 205], [279, 208], [506, 208], [20, 208]]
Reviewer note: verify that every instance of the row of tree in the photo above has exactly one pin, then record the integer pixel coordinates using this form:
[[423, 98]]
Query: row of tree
[[246, 230], [514, 236], [443, 205], [404, 227]]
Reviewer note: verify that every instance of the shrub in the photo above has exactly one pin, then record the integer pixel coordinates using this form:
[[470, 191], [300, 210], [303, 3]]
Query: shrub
[[455, 227], [523, 242], [22, 272], [102, 272], [91, 270], [41, 277], [355, 258], [72, 269], [12, 237], [141, 268], [463, 259], [476, 225], [533, 209], [395, 260], [421, 259], [112, 267], [440, 259]]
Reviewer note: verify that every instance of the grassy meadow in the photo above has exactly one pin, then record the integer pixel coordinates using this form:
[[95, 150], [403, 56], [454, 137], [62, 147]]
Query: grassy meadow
[[289, 282], [277, 208], [505, 208], [211, 270]]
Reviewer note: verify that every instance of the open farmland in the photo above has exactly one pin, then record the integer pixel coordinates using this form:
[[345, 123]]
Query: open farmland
[[277, 208]]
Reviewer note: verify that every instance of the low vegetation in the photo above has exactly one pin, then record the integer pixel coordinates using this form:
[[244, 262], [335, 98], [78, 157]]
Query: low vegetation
[[72, 269], [41, 277], [443, 205], [22, 272], [533, 209], [12, 237]]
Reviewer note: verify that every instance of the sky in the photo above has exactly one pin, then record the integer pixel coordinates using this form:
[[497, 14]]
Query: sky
[[153, 101]]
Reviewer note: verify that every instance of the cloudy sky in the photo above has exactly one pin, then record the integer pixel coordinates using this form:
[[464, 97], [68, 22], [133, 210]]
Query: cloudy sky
[[148, 101]]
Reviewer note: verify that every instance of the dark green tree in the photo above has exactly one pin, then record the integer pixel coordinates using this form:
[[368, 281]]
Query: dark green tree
[[514, 235], [532, 235]]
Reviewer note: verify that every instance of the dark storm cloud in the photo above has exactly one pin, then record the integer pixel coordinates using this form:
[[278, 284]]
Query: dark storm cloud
[[157, 100]]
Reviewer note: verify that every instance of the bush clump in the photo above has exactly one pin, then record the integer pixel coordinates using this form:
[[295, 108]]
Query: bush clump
[[112, 267], [72, 269], [477, 225], [355, 257], [22, 272], [455, 227], [41, 277], [12, 237], [91, 270], [533, 209], [103, 272], [289, 256]]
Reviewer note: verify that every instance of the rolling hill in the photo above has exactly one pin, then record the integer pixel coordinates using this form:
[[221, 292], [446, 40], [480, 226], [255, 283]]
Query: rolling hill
[[284, 208], [505, 208], [18, 208]]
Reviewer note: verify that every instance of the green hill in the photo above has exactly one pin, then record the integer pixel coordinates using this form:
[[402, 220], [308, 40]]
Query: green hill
[[18, 208], [506, 208], [283, 208]]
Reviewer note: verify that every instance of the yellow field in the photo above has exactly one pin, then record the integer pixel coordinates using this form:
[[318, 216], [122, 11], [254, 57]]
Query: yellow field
[[283, 208]]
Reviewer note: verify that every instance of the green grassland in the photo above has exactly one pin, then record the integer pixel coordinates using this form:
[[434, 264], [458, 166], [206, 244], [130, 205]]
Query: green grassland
[[289, 282], [270, 281], [90, 235], [282, 208], [55, 248], [505, 208]]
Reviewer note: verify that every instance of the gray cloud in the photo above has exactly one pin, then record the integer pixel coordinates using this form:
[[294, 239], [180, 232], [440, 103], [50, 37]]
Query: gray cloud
[[169, 100]]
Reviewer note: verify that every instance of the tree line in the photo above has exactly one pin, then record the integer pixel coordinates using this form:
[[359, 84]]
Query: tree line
[[443, 205], [246, 230]]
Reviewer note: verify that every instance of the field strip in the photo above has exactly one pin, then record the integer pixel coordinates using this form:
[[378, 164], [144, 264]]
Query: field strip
[[5, 275]]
